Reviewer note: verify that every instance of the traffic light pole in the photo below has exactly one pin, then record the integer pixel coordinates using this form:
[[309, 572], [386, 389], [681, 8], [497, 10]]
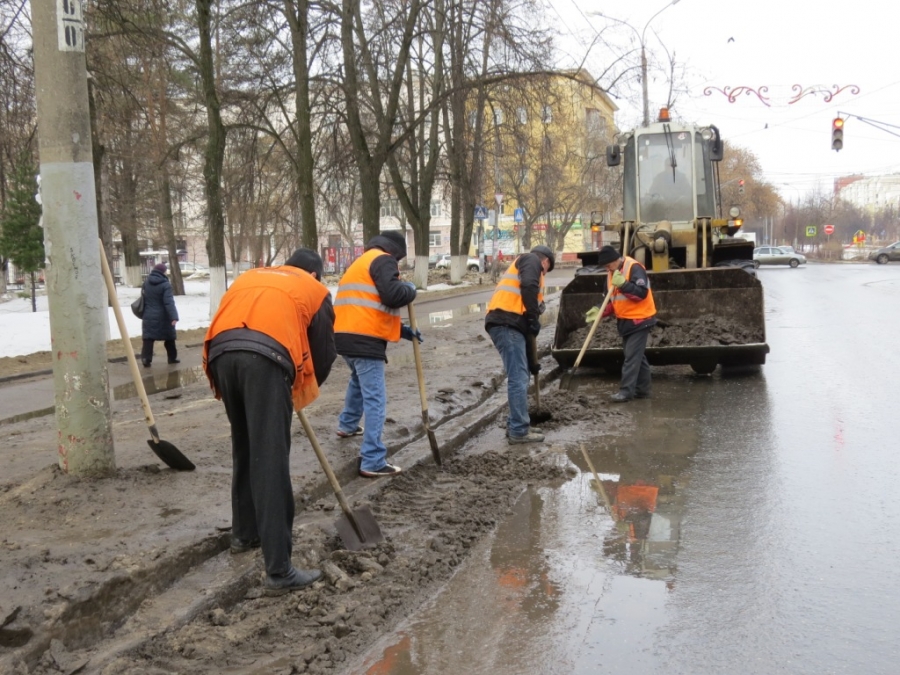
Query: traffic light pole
[[78, 301]]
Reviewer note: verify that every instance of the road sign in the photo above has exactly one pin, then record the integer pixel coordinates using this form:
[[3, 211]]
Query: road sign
[[519, 215], [829, 229], [810, 230], [499, 198], [481, 213]]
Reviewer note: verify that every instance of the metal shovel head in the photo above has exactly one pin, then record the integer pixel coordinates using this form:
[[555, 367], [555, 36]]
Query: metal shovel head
[[369, 531], [170, 455]]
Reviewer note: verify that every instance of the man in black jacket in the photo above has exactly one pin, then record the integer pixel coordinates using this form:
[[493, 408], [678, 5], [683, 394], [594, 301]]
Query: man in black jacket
[[514, 316]]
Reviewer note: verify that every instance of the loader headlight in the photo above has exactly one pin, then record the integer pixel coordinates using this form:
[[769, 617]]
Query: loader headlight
[[735, 211]]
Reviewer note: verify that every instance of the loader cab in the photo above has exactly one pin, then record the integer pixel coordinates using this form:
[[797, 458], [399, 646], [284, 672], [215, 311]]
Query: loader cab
[[668, 175]]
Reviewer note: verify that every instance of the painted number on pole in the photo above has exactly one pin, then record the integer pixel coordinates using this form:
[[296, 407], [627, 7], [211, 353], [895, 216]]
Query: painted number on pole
[[519, 215], [481, 213], [810, 230], [829, 229], [70, 25]]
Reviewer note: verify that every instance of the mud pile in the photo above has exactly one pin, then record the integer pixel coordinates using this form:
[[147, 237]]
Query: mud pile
[[705, 331], [430, 519]]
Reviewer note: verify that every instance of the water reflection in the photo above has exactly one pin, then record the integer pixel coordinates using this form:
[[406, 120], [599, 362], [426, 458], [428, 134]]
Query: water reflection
[[156, 383]]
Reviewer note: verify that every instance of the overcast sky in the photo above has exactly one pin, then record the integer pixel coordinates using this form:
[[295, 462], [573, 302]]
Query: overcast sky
[[777, 44]]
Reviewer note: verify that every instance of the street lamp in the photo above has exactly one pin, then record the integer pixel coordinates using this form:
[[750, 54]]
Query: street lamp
[[642, 35]]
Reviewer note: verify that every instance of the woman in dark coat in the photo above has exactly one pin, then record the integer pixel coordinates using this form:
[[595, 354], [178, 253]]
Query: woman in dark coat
[[160, 315]]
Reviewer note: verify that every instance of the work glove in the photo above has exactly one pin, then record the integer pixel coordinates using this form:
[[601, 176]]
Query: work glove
[[618, 279], [407, 334], [409, 284], [591, 316], [534, 326], [534, 367]]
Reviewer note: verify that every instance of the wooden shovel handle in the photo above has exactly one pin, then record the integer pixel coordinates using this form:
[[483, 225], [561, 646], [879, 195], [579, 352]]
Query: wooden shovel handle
[[593, 330], [326, 467], [420, 373], [129, 350]]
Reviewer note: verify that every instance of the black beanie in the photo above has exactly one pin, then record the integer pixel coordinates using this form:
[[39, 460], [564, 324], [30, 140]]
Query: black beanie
[[606, 255], [307, 259], [398, 240]]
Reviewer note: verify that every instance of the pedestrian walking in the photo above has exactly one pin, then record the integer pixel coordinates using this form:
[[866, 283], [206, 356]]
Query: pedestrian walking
[[513, 315], [160, 315], [632, 304], [367, 317], [268, 349]]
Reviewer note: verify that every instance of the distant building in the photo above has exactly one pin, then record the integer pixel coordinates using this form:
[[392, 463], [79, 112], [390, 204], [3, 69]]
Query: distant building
[[872, 193]]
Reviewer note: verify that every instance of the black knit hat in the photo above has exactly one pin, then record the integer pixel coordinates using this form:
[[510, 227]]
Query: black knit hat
[[307, 259], [606, 255], [395, 244], [547, 253]]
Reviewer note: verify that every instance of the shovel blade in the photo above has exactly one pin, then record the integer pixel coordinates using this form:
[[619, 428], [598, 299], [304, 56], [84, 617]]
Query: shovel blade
[[435, 451], [366, 534], [170, 455]]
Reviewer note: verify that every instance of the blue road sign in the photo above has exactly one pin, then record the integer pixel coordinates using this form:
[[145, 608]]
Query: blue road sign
[[481, 213], [519, 215]]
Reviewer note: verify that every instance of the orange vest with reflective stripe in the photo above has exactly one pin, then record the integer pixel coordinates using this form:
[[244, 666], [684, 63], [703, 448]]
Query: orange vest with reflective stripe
[[357, 306], [508, 294], [280, 302], [623, 306]]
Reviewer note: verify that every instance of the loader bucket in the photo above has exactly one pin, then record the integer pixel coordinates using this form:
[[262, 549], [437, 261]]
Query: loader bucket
[[708, 317]]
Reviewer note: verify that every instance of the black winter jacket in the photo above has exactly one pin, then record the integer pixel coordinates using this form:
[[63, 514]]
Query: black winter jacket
[[394, 293], [159, 308], [530, 271]]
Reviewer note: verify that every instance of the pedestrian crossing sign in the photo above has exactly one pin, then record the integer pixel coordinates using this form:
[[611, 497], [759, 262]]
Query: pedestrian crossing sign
[[481, 213], [810, 230]]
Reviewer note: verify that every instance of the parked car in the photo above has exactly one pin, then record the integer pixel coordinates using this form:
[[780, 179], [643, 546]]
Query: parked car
[[433, 260], [777, 255], [443, 263], [886, 253], [189, 268]]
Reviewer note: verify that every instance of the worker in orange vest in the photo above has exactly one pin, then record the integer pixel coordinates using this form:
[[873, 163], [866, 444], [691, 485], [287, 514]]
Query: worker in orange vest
[[632, 304], [514, 316], [268, 348], [367, 317]]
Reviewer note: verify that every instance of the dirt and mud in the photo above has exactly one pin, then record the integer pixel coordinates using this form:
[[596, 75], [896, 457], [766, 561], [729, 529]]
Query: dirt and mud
[[131, 573], [705, 331]]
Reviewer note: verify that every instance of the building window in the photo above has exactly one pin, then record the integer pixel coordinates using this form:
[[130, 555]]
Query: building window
[[498, 116], [547, 115], [595, 122], [434, 238], [435, 209], [390, 207], [522, 115]]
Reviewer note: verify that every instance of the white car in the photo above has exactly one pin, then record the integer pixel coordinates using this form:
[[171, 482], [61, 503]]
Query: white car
[[777, 255], [443, 263]]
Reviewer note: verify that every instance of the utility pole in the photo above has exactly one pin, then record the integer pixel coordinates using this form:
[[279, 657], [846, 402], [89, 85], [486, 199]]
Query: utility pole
[[78, 301]]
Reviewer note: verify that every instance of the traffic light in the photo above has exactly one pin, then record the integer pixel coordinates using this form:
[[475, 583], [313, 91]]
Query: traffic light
[[837, 133], [741, 186]]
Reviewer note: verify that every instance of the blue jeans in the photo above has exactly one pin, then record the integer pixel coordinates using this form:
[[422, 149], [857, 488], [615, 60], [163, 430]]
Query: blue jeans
[[511, 345], [366, 393]]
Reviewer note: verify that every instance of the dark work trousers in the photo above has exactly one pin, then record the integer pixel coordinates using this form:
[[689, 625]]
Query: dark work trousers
[[147, 350], [635, 369], [256, 392]]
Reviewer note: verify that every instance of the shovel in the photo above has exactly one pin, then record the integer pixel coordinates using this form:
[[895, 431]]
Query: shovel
[[567, 381], [432, 440], [538, 416], [167, 452], [357, 528]]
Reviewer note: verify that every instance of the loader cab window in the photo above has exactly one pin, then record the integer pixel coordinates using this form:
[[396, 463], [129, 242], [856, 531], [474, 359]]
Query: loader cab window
[[629, 179], [665, 176], [706, 203]]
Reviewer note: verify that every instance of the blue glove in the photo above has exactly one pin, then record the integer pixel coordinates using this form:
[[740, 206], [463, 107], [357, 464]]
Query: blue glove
[[407, 334]]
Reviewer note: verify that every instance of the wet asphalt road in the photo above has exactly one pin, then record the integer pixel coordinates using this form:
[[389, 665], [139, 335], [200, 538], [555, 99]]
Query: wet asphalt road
[[754, 521]]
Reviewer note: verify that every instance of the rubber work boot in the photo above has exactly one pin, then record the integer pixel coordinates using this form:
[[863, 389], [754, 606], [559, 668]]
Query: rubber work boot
[[619, 397], [530, 437], [294, 580]]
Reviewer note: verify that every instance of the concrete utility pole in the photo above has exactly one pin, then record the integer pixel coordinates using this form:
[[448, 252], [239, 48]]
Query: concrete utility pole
[[75, 289]]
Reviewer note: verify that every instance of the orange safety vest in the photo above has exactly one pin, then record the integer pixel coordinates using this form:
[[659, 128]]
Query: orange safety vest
[[623, 306], [280, 302], [357, 306], [508, 294]]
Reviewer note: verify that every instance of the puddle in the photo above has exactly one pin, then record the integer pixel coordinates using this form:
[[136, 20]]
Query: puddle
[[170, 381]]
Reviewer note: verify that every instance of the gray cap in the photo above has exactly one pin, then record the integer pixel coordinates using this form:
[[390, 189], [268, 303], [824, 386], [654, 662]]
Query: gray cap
[[547, 253]]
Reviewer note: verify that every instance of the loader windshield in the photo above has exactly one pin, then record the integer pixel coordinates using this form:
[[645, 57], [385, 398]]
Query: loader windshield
[[666, 176]]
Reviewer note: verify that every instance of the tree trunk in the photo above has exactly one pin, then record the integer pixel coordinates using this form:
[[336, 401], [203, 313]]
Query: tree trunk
[[213, 160]]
